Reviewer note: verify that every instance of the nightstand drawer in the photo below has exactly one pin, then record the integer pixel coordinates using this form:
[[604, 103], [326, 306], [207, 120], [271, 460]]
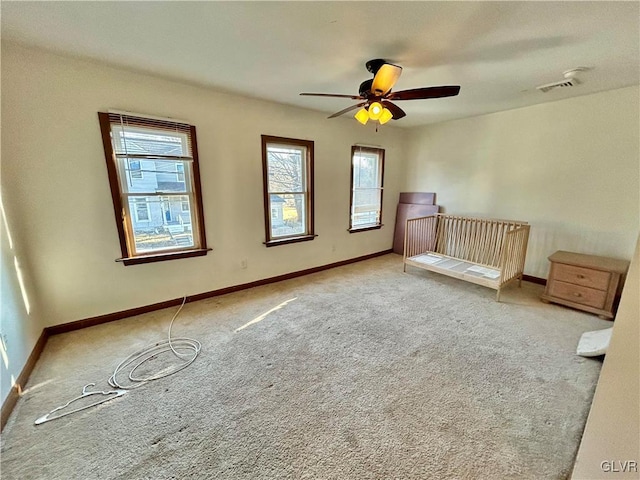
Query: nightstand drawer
[[582, 276], [578, 294]]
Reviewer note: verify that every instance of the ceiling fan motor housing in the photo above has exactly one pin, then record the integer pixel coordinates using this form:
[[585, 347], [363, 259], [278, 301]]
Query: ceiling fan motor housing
[[365, 87]]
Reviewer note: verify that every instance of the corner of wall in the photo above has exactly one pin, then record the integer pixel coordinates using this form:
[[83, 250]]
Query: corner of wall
[[20, 326]]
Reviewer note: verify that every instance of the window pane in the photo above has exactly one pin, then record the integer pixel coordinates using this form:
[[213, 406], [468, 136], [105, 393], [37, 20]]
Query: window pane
[[169, 176], [365, 170], [163, 225], [154, 176], [288, 215], [285, 169], [366, 207], [139, 140]]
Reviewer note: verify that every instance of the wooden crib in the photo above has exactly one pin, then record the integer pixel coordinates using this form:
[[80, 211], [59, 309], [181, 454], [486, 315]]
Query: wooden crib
[[484, 251]]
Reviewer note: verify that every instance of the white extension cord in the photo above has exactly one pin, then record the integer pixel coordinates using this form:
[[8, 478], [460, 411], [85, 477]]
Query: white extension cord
[[134, 361], [186, 349]]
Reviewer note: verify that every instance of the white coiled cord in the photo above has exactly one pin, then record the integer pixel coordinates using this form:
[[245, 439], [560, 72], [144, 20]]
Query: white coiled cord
[[186, 349]]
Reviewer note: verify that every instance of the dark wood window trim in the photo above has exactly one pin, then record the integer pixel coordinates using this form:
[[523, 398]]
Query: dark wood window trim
[[158, 257], [379, 225], [365, 229], [287, 240], [309, 234], [112, 172]]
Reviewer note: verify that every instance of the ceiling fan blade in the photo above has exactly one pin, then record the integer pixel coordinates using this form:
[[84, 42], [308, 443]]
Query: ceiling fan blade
[[427, 92], [386, 77], [395, 110], [335, 95], [352, 107]]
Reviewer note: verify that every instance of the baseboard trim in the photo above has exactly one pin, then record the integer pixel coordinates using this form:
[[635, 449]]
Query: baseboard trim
[[15, 392], [110, 317], [532, 279]]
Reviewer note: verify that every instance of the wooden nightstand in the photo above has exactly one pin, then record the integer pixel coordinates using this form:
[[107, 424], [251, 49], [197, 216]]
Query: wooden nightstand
[[585, 282]]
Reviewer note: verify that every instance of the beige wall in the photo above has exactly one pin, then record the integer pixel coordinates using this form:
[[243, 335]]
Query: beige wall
[[570, 168], [20, 315], [612, 433], [57, 194]]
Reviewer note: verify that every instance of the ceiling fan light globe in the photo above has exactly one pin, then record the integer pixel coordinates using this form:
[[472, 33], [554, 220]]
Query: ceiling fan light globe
[[375, 110], [385, 78], [385, 116], [362, 116]]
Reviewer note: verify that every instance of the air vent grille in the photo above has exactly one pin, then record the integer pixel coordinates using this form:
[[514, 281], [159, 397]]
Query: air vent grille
[[570, 82]]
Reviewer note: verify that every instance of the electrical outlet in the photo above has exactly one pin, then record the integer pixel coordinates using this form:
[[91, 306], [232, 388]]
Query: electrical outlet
[[243, 263], [333, 248]]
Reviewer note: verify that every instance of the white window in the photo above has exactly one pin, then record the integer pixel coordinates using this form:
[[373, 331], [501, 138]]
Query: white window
[[141, 209], [148, 211], [367, 172], [288, 189], [135, 170]]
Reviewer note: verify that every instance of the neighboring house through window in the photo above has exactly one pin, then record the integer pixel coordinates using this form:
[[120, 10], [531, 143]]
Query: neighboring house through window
[[288, 189], [367, 172], [158, 213]]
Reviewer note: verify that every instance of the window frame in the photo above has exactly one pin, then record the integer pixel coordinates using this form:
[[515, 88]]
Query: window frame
[[197, 213], [309, 234], [381, 153]]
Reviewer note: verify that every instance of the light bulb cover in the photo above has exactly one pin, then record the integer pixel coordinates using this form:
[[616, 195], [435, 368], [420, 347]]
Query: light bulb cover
[[362, 116], [385, 78], [385, 116], [375, 110]]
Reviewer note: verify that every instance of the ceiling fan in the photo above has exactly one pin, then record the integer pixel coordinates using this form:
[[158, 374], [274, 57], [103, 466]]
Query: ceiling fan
[[376, 94]]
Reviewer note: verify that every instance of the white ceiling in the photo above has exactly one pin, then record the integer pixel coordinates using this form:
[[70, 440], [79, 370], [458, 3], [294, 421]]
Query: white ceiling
[[497, 51]]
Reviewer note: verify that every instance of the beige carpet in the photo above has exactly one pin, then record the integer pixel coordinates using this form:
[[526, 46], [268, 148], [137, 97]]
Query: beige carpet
[[368, 374]]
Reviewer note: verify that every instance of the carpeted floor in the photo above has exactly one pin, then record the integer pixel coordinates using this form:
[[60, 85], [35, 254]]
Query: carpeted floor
[[365, 373]]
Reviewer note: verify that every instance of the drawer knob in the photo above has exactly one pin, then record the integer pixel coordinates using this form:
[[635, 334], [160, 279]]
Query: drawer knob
[[577, 294], [580, 276]]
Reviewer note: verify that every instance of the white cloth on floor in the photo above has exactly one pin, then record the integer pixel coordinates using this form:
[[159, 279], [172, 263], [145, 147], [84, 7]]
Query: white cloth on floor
[[595, 343]]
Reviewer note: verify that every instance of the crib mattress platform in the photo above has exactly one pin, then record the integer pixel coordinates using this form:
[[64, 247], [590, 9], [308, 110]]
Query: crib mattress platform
[[454, 267]]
